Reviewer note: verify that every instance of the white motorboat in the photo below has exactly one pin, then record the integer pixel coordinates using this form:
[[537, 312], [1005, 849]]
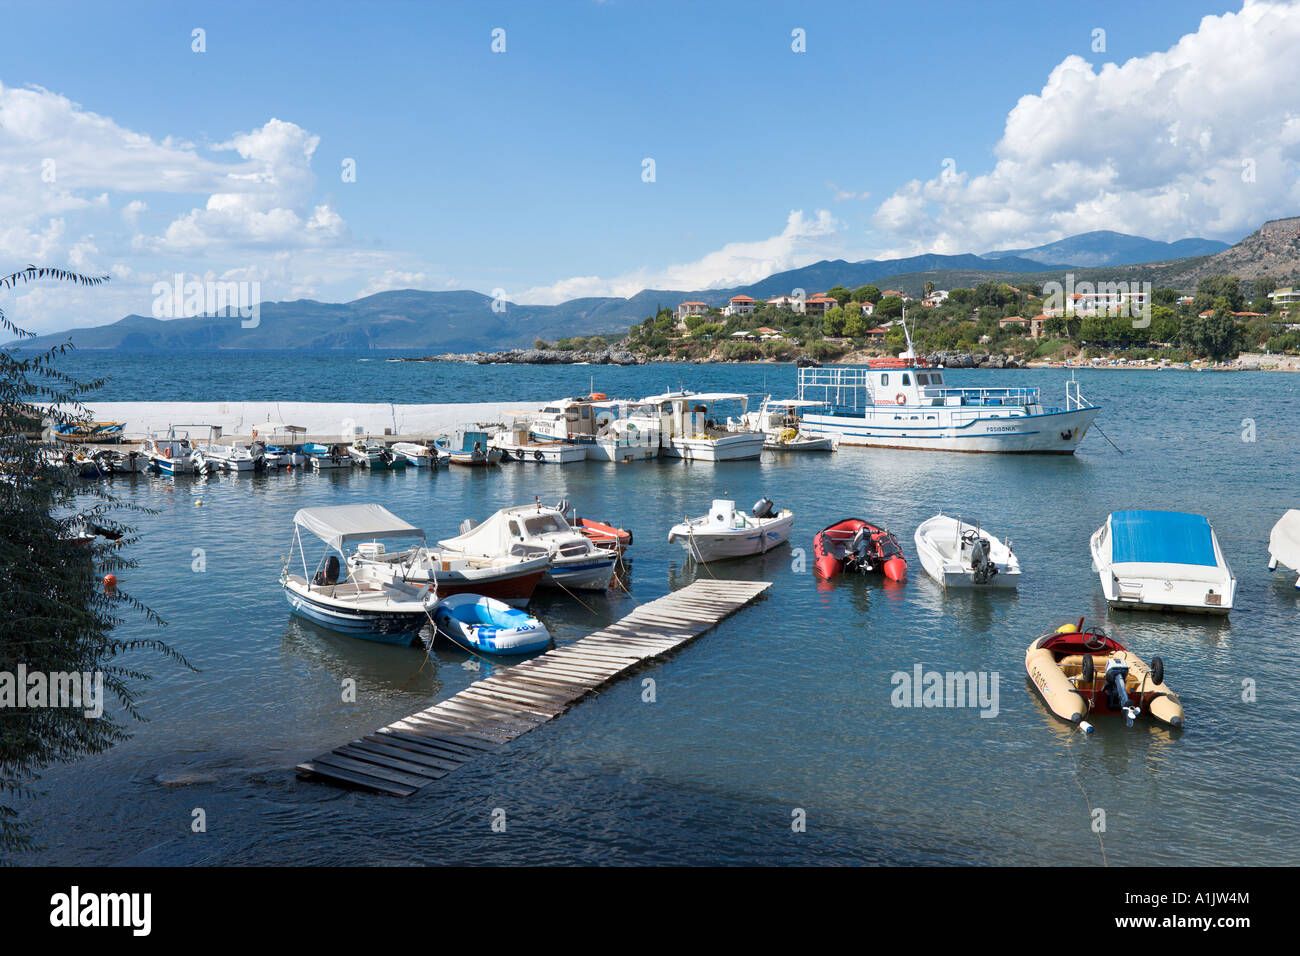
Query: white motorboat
[[902, 403], [171, 455], [1284, 543], [959, 554], [373, 454], [421, 456], [236, 456], [687, 430], [518, 444], [282, 444], [1162, 561], [531, 530], [727, 533], [386, 610], [780, 422]]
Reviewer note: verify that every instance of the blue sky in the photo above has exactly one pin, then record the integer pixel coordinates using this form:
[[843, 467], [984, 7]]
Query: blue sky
[[523, 170]]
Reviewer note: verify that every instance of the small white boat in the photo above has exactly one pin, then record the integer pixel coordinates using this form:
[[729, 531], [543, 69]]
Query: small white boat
[[282, 444], [959, 554], [170, 455], [779, 421], [375, 455], [1162, 561], [324, 457], [235, 457], [528, 530], [488, 625], [727, 533], [389, 611], [1284, 543], [421, 456], [687, 430]]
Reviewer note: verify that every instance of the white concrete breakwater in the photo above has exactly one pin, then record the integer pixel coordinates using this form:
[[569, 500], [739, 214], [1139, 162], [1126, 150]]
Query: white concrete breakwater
[[346, 419]]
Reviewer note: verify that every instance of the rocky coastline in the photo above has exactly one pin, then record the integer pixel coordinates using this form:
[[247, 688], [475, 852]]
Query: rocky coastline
[[617, 356]]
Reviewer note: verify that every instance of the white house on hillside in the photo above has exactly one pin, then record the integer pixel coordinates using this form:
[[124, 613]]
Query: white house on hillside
[[740, 305]]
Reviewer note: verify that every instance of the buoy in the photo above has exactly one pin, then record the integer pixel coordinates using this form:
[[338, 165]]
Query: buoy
[[1085, 726], [198, 503], [110, 582]]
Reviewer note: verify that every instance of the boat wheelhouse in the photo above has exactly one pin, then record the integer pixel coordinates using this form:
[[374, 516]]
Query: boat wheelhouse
[[1162, 561]]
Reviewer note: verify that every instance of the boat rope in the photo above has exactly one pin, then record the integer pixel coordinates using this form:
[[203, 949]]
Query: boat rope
[[574, 596], [691, 552], [1074, 766], [1107, 437]]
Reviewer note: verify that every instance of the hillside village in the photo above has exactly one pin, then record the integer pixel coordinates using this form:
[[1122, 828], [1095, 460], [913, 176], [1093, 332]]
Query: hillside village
[[1224, 317]]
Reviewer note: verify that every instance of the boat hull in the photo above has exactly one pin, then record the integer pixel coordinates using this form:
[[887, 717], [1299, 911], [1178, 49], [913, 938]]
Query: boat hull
[[910, 428], [740, 447], [585, 574], [386, 627], [705, 545], [1162, 588]]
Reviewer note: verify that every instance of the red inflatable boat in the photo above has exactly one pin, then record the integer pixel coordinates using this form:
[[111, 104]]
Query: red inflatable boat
[[856, 545]]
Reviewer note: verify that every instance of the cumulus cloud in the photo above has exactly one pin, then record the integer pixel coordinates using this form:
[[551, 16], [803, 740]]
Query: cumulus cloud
[[1199, 139], [804, 239]]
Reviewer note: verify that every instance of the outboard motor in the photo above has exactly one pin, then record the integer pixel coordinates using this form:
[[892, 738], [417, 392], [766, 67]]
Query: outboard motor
[[983, 570], [859, 552], [563, 507], [763, 508], [1115, 684]]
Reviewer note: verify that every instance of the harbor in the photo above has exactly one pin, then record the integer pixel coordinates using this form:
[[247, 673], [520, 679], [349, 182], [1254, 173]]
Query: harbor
[[736, 732]]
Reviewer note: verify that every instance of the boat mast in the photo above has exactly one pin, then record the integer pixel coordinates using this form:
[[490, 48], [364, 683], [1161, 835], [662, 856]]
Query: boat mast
[[909, 354]]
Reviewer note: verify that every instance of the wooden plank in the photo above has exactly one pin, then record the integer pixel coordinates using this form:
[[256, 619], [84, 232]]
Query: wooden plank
[[332, 759], [366, 755], [445, 759], [356, 779]]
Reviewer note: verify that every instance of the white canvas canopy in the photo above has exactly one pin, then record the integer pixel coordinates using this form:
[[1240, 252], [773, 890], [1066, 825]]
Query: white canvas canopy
[[341, 524], [1284, 542], [700, 397], [493, 536]]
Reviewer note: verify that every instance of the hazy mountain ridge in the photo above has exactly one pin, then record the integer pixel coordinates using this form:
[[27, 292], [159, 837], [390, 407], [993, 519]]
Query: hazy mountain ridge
[[465, 321]]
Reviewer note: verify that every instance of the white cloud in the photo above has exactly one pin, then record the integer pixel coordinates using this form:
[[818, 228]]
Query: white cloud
[[803, 240], [1156, 146]]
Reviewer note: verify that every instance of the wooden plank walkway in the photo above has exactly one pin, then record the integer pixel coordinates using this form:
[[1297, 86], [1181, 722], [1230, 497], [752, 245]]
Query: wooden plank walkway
[[413, 752]]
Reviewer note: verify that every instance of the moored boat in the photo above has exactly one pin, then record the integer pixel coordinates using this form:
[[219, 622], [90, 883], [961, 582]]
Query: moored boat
[[956, 553], [389, 611], [534, 530], [1078, 670], [1284, 543], [323, 457], [727, 533], [517, 444], [487, 625], [170, 455], [687, 429], [1162, 561], [421, 456], [473, 450], [779, 421], [855, 545]]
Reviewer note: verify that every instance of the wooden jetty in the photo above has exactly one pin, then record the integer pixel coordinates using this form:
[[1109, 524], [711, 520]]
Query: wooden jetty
[[413, 752]]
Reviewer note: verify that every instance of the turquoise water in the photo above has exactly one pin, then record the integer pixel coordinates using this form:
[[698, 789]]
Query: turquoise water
[[786, 705]]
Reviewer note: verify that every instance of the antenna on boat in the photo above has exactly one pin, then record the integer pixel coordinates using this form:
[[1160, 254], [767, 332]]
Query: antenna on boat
[[910, 353]]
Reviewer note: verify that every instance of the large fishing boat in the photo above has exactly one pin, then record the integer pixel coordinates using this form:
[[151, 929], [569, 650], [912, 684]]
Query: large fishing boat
[[904, 403]]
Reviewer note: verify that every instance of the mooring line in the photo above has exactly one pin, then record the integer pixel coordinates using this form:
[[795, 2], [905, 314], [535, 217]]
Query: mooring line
[[1087, 801]]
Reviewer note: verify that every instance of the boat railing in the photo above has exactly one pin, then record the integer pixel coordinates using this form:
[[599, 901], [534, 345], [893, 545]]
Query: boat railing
[[1074, 399], [985, 396], [845, 387]]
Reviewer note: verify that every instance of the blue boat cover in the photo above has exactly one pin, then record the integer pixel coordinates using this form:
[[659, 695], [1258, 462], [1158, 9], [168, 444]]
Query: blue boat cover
[[1161, 537]]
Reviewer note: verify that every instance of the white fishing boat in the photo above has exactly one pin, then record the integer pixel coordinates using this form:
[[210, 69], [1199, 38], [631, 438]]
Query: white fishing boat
[[574, 420], [518, 444], [727, 533], [421, 456], [170, 454], [1284, 543], [687, 429], [390, 611], [375, 455], [532, 530], [780, 421], [956, 553], [236, 456], [902, 403], [1162, 561]]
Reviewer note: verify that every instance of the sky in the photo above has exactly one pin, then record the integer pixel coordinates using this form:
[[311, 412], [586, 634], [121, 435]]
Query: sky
[[331, 150]]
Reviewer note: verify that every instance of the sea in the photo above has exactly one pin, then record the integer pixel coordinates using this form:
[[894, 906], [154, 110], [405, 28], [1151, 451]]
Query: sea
[[780, 737]]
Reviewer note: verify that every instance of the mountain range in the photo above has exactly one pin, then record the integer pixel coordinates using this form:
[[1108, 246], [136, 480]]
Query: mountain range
[[417, 320]]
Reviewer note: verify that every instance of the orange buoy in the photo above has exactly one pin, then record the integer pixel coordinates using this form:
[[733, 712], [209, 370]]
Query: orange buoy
[[110, 582]]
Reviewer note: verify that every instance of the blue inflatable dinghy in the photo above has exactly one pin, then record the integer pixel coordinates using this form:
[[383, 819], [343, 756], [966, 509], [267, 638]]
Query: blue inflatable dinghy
[[488, 625]]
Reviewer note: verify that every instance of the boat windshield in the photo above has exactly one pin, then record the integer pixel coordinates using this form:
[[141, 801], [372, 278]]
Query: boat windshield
[[544, 524]]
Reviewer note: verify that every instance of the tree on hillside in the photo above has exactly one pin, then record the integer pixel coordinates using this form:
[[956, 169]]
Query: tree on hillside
[[890, 307], [867, 293], [56, 616], [840, 294], [833, 322]]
